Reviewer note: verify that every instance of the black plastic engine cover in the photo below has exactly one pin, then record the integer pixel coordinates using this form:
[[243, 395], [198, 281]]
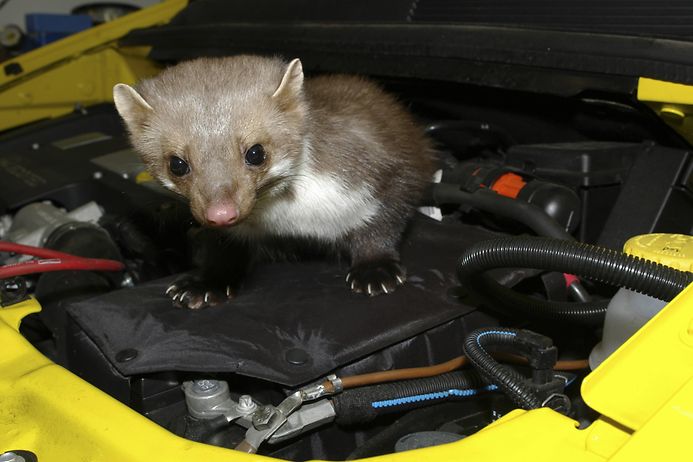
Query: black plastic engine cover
[[291, 323]]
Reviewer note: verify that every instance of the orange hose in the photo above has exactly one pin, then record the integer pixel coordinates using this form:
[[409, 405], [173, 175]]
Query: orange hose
[[402, 374], [571, 365], [372, 378]]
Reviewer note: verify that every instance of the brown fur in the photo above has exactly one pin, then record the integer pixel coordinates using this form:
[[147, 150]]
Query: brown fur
[[371, 138], [211, 110]]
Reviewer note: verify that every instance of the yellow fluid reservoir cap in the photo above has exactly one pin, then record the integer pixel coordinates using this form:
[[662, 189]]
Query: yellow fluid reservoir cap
[[675, 250]]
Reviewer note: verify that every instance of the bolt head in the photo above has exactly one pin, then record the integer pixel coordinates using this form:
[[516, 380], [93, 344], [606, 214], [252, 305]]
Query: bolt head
[[262, 417], [205, 386], [246, 403]]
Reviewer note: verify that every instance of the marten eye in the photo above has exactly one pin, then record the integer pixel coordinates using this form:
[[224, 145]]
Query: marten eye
[[178, 166], [255, 155]]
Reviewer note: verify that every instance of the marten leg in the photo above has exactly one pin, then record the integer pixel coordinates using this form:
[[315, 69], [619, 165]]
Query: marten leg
[[375, 266], [221, 264]]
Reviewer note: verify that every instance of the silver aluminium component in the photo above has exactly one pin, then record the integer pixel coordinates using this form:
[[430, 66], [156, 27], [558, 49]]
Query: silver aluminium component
[[207, 399], [246, 405], [310, 416], [5, 225], [319, 389], [11, 457], [267, 420], [34, 223]]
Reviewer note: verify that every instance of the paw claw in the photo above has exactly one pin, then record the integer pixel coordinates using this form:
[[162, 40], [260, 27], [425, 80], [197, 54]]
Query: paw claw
[[192, 293], [376, 277]]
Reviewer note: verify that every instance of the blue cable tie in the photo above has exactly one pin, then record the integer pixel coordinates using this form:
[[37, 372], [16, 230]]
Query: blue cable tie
[[430, 396], [499, 332]]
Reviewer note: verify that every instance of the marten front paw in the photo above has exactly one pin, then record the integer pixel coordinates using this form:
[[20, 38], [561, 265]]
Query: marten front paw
[[192, 293], [377, 277]]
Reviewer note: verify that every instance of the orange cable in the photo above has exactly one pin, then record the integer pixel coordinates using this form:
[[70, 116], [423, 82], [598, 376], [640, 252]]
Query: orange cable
[[372, 378]]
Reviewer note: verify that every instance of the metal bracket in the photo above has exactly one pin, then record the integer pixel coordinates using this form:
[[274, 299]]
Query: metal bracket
[[310, 416], [267, 420], [207, 399]]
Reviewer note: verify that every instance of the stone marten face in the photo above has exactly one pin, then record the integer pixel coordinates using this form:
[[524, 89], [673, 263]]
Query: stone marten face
[[227, 134]]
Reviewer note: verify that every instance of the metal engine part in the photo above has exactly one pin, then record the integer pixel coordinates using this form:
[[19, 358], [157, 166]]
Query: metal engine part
[[34, 223]]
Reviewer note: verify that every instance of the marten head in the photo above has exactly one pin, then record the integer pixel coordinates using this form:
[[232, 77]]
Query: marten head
[[226, 133]]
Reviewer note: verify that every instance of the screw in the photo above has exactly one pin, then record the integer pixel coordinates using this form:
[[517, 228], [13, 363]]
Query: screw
[[246, 405], [262, 417], [205, 386]]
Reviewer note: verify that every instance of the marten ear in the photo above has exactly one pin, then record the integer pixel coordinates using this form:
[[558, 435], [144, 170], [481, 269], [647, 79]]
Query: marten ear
[[292, 82], [131, 106]]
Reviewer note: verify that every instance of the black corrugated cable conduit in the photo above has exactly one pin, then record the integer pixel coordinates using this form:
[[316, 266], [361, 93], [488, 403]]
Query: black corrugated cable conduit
[[520, 211], [583, 260], [514, 385], [364, 404]]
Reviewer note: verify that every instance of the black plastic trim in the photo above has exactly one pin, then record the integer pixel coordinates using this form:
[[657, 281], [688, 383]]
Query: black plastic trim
[[498, 56]]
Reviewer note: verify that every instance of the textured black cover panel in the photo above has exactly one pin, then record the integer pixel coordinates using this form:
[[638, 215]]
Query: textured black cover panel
[[560, 47], [631, 17], [450, 52], [284, 306]]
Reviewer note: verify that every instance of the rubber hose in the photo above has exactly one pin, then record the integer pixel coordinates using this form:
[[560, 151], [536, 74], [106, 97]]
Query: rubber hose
[[584, 260], [508, 380], [528, 214], [523, 212], [364, 404]]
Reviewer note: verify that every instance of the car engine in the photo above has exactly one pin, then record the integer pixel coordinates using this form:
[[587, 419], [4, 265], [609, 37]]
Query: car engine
[[297, 367]]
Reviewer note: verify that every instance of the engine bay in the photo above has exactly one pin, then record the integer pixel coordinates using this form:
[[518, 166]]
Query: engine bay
[[297, 367]]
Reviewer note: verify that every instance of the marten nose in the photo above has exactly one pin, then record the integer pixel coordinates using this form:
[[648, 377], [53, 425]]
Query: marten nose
[[222, 214]]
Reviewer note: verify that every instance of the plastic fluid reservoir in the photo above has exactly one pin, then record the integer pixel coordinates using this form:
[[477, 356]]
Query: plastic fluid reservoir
[[628, 311]]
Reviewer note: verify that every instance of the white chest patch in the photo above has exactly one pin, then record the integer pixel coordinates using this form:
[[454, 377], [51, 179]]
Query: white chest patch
[[322, 207]]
